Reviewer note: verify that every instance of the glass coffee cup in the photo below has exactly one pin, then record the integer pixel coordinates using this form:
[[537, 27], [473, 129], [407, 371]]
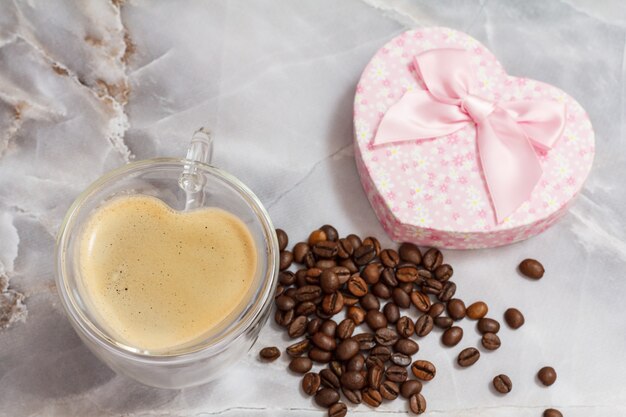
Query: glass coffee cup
[[183, 184]]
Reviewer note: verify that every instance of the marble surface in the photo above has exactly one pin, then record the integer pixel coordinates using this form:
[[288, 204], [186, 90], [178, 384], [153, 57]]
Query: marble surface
[[87, 88]]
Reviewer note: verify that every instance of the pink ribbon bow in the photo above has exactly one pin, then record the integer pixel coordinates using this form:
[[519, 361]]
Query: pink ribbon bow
[[507, 132]]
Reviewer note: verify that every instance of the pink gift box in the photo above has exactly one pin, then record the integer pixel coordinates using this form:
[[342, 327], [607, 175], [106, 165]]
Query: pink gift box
[[433, 192]]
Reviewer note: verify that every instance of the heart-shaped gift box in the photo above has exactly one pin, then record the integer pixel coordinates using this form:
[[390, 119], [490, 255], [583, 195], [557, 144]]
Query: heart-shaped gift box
[[454, 152]]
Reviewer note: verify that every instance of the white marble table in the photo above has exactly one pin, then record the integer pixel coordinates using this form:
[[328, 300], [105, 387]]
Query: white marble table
[[86, 88]]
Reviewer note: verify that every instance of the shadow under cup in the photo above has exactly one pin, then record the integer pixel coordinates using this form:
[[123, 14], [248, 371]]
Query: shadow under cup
[[205, 358]]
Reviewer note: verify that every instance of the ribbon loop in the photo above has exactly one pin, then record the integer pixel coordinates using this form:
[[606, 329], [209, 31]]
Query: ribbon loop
[[507, 133]]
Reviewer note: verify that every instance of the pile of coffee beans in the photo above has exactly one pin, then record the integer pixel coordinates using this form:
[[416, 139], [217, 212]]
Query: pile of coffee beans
[[354, 277]]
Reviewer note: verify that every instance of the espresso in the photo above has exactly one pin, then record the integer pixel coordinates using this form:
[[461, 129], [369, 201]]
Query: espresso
[[158, 278]]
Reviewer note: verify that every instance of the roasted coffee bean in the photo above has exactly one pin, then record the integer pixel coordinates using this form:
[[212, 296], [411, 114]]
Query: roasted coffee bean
[[345, 329], [297, 327], [410, 253], [283, 239], [468, 357], [332, 303], [337, 410], [317, 236], [306, 308], [325, 264], [490, 341], [407, 272], [407, 347], [323, 341], [337, 367], [284, 318], [424, 325], [370, 302], [375, 376], [432, 259], [329, 379], [514, 318], [286, 258], [298, 348], [354, 396], [400, 359], [396, 373], [456, 309], [423, 370], [420, 301], [389, 390], [356, 314], [285, 303], [436, 310], [347, 349], [344, 249], [443, 322], [301, 365], [349, 300], [280, 290], [269, 354], [307, 293], [312, 276], [372, 241], [381, 352], [372, 397], [364, 255], [343, 273], [329, 281], [299, 251], [357, 286], [386, 336], [380, 290], [290, 292], [448, 291], [432, 286], [407, 287], [452, 336], [329, 327], [353, 380], [310, 383], [325, 249], [417, 404], [486, 325], [349, 265], [309, 259], [401, 298], [375, 319], [388, 277], [286, 278], [502, 384], [410, 387], [422, 275], [371, 273], [443, 272], [547, 375], [551, 412], [331, 232], [357, 363], [313, 326], [477, 310], [354, 240], [366, 341], [389, 258], [373, 361], [392, 312], [301, 280], [326, 397], [319, 355], [405, 326], [531, 268]]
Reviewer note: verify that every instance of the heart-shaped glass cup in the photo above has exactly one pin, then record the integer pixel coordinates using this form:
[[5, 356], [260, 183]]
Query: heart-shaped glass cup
[[183, 184]]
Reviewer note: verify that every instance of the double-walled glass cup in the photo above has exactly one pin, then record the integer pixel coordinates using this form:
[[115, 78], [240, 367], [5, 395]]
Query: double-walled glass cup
[[183, 184]]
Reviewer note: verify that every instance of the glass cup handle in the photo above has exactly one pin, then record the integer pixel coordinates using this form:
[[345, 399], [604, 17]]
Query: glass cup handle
[[192, 180]]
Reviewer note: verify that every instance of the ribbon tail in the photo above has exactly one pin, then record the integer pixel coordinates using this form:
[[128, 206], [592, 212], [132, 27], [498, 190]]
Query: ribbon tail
[[509, 162], [418, 115]]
